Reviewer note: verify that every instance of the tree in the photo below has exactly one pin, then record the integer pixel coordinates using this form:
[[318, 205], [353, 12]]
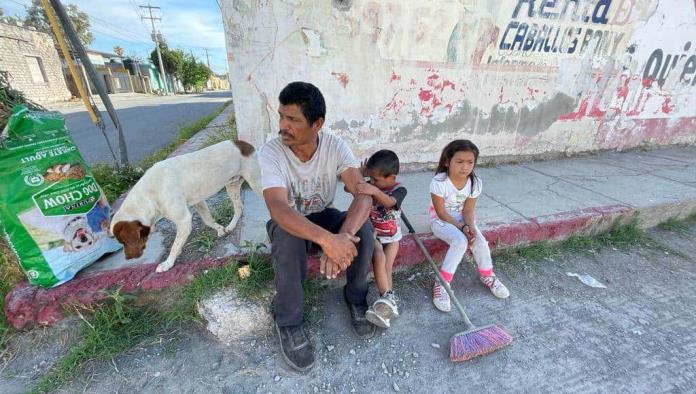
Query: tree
[[11, 20], [36, 18], [194, 74], [119, 51], [173, 59]]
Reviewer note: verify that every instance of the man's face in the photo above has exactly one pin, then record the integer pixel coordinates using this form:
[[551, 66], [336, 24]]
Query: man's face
[[294, 127]]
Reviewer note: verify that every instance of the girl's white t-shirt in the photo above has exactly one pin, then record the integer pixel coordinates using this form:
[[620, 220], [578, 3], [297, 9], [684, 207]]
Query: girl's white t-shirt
[[442, 186]]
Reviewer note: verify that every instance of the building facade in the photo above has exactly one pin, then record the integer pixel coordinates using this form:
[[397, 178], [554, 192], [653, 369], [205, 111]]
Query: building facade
[[31, 61], [518, 77]]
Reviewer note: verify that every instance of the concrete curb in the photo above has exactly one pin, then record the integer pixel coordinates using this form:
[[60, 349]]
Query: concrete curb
[[27, 305]]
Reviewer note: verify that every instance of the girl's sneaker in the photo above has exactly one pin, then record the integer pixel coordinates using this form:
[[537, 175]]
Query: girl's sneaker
[[386, 306], [496, 286], [373, 317], [440, 298]]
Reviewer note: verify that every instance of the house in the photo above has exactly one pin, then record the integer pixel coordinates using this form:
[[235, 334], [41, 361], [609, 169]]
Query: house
[[32, 63]]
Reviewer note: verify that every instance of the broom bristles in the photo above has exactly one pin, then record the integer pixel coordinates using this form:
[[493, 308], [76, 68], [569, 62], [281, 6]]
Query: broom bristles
[[467, 345]]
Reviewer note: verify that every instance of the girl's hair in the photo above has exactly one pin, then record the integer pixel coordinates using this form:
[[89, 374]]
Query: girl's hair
[[448, 153]]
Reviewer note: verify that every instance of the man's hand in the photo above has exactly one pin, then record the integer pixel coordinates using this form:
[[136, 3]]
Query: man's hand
[[339, 252], [366, 188]]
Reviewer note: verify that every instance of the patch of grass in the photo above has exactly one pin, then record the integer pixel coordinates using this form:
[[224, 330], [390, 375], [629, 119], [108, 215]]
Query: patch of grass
[[619, 237], [225, 133], [223, 212], [260, 273], [10, 274], [204, 239], [112, 329], [115, 181], [674, 225], [120, 325]]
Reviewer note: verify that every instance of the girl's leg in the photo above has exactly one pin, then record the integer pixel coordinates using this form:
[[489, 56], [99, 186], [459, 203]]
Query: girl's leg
[[379, 268], [457, 247], [482, 254], [390, 252]]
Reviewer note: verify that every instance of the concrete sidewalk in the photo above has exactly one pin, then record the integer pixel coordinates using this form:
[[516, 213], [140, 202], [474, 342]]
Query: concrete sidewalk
[[547, 200], [521, 204]]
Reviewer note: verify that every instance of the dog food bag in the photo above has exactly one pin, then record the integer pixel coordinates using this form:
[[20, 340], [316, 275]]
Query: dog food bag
[[53, 214]]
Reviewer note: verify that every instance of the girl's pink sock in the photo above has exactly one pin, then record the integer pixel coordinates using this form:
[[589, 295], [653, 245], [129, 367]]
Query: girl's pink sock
[[488, 272], [446, 276]]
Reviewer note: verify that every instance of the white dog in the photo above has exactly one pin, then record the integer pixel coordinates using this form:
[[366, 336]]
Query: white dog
[[168, 188]]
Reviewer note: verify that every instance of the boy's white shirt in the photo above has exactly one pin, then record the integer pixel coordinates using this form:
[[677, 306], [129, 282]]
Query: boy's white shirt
[[442, 186]]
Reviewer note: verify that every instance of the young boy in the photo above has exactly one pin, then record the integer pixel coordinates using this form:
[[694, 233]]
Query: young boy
[[381, 170]]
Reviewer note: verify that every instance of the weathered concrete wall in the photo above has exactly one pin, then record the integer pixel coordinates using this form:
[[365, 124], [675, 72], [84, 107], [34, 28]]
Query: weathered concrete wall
[[518, 77], [17, 46]]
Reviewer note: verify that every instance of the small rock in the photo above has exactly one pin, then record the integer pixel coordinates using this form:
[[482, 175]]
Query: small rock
[[412, 277], [156, 374], [352, 390], [415, 355], [330, 347], [435, 345], [384, 366], [358, 362], [352, 351], [277, 378], [316, 389], [325, 359], [407, 374], [395, 387]]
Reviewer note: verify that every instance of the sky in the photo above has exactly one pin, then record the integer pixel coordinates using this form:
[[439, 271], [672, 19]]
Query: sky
[[190, 25]]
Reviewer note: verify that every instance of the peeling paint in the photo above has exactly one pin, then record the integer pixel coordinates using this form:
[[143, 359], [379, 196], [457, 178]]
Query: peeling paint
[[517, 76]]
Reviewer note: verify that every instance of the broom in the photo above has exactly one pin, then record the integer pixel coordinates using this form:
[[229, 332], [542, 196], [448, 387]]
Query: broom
[[476, 341]]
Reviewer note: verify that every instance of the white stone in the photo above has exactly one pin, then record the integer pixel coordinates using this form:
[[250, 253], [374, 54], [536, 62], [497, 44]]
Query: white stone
[[232, 318]]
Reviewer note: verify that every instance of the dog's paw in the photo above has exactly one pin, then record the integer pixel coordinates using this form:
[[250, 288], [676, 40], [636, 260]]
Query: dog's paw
[[165, 266], [221, 231]]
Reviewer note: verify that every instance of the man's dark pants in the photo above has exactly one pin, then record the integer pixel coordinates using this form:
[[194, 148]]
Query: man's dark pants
[[290, 265]]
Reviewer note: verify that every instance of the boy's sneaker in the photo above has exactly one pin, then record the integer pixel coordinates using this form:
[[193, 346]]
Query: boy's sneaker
[[386, 307], [440, 298], [373, 317], [496, 286], [296, 348]]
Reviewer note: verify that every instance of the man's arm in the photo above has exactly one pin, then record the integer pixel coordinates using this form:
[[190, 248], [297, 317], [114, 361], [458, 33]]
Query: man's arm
[[338, 247], [359, 209]]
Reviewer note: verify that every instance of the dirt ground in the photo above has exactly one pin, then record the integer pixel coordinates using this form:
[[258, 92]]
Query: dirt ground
[[634, 336]]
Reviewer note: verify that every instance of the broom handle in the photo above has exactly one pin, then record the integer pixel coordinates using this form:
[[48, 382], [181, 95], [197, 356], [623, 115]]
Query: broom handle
[[442, 280]]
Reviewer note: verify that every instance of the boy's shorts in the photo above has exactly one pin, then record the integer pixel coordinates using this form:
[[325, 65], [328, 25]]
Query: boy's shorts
[[387, 240]]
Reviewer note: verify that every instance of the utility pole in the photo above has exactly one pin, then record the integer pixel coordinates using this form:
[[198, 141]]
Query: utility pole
[[155, 38], [206, 57], [92, 73]]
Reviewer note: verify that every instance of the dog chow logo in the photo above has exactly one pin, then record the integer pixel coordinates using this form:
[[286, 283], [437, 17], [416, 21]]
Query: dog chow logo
[[69, 197], [34, 180]]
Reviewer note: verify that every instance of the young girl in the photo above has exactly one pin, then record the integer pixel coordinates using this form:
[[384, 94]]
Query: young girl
[[453, 191]]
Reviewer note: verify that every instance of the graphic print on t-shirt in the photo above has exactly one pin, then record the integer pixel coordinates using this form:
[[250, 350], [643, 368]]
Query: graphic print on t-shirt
[[307, 196]]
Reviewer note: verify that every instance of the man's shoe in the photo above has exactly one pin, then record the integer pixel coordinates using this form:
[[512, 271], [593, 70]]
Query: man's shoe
[[361, 326], [296, 347]]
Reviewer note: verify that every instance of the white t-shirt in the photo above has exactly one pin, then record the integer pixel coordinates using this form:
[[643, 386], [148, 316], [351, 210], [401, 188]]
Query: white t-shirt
[[442, 186], [311, 185]]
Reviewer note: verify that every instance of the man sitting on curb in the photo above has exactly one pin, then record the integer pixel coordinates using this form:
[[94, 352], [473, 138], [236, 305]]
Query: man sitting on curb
[[299, 174]]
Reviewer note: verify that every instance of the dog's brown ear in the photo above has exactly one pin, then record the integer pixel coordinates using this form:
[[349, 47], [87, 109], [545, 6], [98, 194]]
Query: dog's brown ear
[[118, 227], [144, 230], [244, 147]]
